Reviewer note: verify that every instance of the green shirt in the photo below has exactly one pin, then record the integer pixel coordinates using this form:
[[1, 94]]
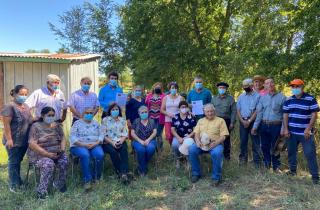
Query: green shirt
[[225, 107]]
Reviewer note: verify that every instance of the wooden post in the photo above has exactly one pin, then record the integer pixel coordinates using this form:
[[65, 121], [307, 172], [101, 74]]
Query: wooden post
[[1, 90]]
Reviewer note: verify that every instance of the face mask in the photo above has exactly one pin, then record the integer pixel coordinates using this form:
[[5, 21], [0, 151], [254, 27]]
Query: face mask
[[137, 93], [21, 99], [113, 82], [247, 89], [296, 91], [88, 117], [115, 113], [184, 110], [173, 91], [48, 120], [54, 87], [221, 91], [157, 91], [85, 88], [144, 116], [198, 85]]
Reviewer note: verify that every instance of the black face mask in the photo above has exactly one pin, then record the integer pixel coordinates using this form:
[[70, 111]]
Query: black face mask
[[248, 89], [157, 91]]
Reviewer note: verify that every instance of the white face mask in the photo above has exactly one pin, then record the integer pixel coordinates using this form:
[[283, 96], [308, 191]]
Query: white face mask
[[184, 110], [48, 120]]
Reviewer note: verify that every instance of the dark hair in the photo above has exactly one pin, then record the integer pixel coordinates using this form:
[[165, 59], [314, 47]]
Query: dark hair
[[45, 111], [113, 73], [175, 84], [183, 103], [16, 89], [184, 95], [111, 106]]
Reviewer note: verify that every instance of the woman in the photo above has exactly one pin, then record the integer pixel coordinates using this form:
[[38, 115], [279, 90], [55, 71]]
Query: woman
[[153, 102], [115, 133], [144, 133], [133, 105], [47, 150], [16, 119], [182, 128], [85, 143], [170, 107]]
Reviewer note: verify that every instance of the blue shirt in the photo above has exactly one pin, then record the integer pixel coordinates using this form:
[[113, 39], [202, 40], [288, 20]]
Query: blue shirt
[[247, 103], [204, 95], [299, 112], [107, 95]]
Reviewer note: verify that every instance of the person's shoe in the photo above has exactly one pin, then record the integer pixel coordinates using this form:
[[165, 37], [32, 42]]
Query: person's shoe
[[277, 171], [291, 173], [194, 179], [42, 196], [87, 186], [124, 179], [215, 183], [14, 189]]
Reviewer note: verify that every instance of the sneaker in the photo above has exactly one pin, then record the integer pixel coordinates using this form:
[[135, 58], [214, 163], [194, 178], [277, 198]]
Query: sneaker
[[215, 183], [42, 196], [87, 186], [194, 179], [277, 171], [124, 179], [13, 189]]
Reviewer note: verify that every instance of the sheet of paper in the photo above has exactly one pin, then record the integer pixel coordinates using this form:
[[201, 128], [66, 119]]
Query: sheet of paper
[[197, 107], [121, 99]]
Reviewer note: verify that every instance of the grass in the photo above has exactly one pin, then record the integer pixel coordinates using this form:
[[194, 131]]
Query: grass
[[166, 188]]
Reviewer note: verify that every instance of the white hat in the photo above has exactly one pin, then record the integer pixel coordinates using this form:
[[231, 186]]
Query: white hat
[[247, 82], [184, 147], [205, 141]]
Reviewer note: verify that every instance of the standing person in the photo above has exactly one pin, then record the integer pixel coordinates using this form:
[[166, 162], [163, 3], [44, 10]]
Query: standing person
[[133, 106], [170, 107], [153, 102], [199, 93], [108, 93], [82, 99], [226, 109], [258, 82], [269, 122], [49, 96], [300, 115], [16, 120], [246, 111]]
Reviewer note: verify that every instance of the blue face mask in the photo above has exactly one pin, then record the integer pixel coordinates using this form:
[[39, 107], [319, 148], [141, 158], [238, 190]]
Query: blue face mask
[[113, 82], [144, 116], [88, 117], [85, 88], [137, 93], [115, 113], [173, 91], [48, 120], [198, 85], [221, 91], [296, 91], [21, 99]]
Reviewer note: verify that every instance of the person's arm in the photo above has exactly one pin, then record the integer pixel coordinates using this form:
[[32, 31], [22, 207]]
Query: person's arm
[[7, 132], [163, 108], [135, 137], [174, 133], [152, 136], [259, 112]]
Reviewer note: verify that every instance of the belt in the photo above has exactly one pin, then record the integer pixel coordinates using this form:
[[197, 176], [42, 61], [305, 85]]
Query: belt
[[267, 122]]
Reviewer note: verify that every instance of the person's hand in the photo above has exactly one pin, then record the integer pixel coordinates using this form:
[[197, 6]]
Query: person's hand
[[231, 126], [246, 124], [285, 133], [180, 140], [307, 133], [52, 155], [118, 144], [254, 131], [146, 142], [9, 144], [213, 144], [90, 146], [170, 115]]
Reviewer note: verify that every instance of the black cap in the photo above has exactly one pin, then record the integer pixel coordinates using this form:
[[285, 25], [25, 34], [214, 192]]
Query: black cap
[[222, 84]]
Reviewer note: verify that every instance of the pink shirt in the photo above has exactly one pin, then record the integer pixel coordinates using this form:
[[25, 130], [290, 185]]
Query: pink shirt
[[154, 107]]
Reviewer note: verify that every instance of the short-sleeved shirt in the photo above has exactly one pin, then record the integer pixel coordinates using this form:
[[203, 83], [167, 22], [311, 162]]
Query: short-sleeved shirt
[[154, 105], [107, 95], [215, 128], [20, 123], [132, 107], [80, 101], [184, 126], [299, 112], [48, 138], [143, 131], [114, 129], [204, 95], [247, 103], [42, 97]]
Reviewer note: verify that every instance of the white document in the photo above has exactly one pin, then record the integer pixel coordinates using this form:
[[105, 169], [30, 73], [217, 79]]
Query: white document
[[197, 107], [121, 99]]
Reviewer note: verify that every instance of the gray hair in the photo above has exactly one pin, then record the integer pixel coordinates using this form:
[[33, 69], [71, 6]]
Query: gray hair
[[53, 78], [142, 108], [208, 106], [86, 78], [247, 81], [198, 77]]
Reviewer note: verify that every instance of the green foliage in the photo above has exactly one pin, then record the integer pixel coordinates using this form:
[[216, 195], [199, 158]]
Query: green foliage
[[38, 51]]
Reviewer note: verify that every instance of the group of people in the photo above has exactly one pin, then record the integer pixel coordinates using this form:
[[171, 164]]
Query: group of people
[[193, 124]]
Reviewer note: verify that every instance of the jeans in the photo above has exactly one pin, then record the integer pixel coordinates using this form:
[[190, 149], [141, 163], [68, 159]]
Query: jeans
[[175, 147], [85, 154], [269, 136], [119, 157], [216, 157], [15, 157], [309, 150], [244, 138], [227, 142], [144, 154]]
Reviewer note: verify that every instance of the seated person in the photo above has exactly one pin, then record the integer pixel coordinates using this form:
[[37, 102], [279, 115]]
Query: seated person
[[115, 133], [85, 143], [144, 132], [210, 133], [47, 150]]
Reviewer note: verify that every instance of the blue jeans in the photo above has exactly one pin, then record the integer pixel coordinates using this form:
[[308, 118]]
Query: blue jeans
[[15, 157], [269, 135], [244, 138], [309, 150], [85, 154], [144, 154], [175, 147], [216, 157], [119, 157]]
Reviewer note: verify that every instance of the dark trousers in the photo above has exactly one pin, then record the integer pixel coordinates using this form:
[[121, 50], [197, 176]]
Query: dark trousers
[[244, 138], [309, 150], [269, 136], [227, 142], [119, 157], [104, 114], [74, 120]]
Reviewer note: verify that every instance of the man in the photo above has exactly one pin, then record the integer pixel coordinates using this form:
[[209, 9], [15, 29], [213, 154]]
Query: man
[[258, 82], [225, 108], [51, 96], [83, 99], [200, 94], [216, 131], [108, 93], [246, 111], [269, 121], [300, 114]]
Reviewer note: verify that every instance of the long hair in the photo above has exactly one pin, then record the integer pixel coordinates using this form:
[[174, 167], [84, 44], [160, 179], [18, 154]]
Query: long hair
[[111, 106]]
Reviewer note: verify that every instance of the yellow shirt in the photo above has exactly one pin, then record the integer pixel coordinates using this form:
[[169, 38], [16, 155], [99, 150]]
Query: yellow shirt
[[215, 128]]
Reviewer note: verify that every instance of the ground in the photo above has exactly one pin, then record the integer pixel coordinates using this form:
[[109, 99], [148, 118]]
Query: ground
[[166, 188]]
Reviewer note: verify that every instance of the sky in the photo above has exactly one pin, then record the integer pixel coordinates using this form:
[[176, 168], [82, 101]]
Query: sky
[[24, 23]]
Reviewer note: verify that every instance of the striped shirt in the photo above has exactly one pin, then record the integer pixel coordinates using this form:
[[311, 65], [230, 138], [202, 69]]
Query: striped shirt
[[299, 111]]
